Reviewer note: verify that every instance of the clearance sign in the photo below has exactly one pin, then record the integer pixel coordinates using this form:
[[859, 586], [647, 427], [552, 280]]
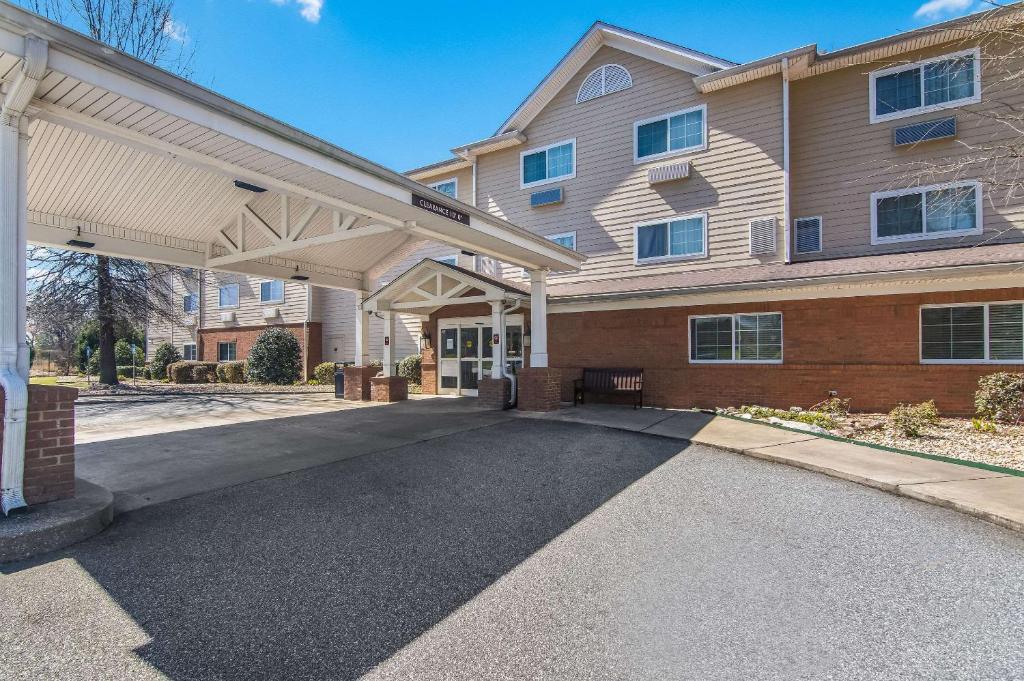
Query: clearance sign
[[439, 209]]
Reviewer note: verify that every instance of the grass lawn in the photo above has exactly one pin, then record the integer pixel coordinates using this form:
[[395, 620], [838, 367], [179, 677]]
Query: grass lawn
[[66, 381]]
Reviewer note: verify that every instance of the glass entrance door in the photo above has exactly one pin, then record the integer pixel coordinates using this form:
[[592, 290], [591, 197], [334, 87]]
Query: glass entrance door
[[465, 354]]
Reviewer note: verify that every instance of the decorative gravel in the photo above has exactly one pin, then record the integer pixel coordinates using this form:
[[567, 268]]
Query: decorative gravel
[[161, 388]]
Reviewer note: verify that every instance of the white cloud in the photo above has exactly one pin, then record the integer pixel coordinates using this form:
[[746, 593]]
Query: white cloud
[[309, 9], [176, 30], [941, 9]]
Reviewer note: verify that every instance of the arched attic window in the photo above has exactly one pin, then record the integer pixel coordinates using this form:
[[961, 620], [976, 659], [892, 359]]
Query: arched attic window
[[604, 81]]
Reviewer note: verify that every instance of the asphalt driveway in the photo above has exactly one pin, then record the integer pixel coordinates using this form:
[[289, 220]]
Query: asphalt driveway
[[527, 549]]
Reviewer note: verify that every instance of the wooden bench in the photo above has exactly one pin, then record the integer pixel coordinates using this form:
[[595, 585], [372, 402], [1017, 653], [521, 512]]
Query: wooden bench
[[610, 382]]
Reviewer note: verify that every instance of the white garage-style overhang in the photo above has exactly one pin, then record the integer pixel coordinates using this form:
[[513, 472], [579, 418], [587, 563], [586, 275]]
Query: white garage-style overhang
[[104, 153]]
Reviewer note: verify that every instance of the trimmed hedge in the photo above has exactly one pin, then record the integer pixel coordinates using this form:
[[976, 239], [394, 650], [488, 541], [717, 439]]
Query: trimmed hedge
[[275, 358], [164, 354], [192, 372], [411, 369], [324, 373], [1000, 397], [126, 371], [231, 372]]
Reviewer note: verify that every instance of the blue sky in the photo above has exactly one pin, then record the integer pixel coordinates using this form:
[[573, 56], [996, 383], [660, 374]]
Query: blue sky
[[403, 82]]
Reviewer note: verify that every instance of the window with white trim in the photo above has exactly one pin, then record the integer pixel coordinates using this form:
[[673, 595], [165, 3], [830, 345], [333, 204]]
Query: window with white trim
[[190, 303], [449, 187], [935, 212], [938, 83], [548, 164], [604, 80], [982, 333], [227, 351], [272, 291], [566, 239], [671, 134], [673, 239], [227, 296], [744, 338], [188, 351]]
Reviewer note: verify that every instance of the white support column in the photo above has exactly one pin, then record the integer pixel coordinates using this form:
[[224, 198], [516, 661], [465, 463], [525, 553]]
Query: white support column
[[389, 342], [498, 349], [362, 357], [23, 353], [538, 319]]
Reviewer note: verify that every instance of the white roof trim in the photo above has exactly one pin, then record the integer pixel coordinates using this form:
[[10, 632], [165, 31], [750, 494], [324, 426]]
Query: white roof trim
[[600, 34], [387, 297]]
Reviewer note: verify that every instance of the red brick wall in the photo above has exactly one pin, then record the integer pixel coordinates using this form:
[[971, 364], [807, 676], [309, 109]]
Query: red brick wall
[[866, 348], [49, 443], [245, 336]]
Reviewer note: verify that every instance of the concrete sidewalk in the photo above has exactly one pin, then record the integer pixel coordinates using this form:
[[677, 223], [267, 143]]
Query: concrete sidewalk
[[992, 495]]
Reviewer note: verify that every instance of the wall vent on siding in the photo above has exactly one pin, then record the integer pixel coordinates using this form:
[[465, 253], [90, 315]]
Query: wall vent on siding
[[808, 235], [669, 173], [604, 81], [227, 317], [762, 236], [938, 129], [546, 197]]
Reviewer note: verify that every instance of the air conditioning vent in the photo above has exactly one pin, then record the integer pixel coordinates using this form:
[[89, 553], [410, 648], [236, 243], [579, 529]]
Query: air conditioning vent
[[808, 235], [227, 317], [942, 128], [271, 312], [669, 173], [547, 197], [762, 236], [191, 320]]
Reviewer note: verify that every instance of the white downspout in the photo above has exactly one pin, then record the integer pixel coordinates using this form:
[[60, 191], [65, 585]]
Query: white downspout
[[504, 370], [473, 197], [785, 160], [13, 228]]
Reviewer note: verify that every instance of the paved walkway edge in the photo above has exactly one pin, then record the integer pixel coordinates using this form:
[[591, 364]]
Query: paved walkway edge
[[52, 526]]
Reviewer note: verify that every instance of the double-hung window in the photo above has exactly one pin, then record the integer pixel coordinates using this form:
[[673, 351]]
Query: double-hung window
[[190, 303], [935, 212], [227, 351], [272, 291], [449, 187], [188, 351], [742, 338], [548, 164], [982, 333], [939, 83], [673, 239], [671, 134], [566, 239], [227, 296]]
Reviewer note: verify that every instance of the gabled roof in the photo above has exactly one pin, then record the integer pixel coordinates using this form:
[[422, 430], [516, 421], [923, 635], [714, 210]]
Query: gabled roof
[[598, 35], [429, 285]]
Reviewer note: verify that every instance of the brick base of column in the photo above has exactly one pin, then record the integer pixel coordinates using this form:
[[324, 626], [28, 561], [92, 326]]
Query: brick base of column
[[494, 393], [49, 443], [357, 382], [540, 389], [428, 372], [389, 389]]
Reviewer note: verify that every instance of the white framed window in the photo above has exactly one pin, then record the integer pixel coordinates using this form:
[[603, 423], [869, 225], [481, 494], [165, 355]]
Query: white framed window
[[680, 132], [938, 211], [604, 80], [190, 303], [552, 163], [227, 296], [679, 238], [565, 239], [924, 86], [272, 291], [746, 338], [807, 234], [973, 333], [227, 351], [449, 187], [188, 351], [448, 260]]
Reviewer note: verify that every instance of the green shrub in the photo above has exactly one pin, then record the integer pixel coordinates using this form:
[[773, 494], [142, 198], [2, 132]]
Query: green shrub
[[813, 418], [275, 357], [123, 354], [192, 372], [411, 369], [126, 371], [834, 406], [231, 372], [911, 419], [92, 367], [983, 425], [323, 373], [165, 354], [1000, 397]]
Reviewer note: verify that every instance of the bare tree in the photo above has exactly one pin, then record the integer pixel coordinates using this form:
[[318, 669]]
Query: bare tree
[[112, 289], [58, 321]]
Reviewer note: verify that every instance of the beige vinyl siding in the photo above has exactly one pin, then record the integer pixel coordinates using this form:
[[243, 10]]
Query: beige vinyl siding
[[250, 310], [339, 327], [175, 332], [839, 158], [737, 179], [465, 182]]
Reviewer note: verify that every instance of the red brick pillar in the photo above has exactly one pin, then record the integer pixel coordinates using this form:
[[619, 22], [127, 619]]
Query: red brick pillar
[[49, 443], [389, 389], [494, 393], [428, 369], [540, 389], [357, 382]]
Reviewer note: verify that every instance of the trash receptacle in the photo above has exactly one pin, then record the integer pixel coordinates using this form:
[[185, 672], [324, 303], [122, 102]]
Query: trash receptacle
[[339, 381]]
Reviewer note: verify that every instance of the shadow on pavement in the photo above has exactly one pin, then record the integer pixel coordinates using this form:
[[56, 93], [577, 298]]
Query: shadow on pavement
[[327, 572]]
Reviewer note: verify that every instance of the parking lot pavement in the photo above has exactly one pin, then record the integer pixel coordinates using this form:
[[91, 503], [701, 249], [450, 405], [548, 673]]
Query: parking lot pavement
[[528, 549]]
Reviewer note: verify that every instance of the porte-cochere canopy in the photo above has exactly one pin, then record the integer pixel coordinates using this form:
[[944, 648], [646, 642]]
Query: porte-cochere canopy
[[430, 285]]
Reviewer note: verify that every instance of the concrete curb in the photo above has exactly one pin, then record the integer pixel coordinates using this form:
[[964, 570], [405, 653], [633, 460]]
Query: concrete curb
[[48, 527]]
